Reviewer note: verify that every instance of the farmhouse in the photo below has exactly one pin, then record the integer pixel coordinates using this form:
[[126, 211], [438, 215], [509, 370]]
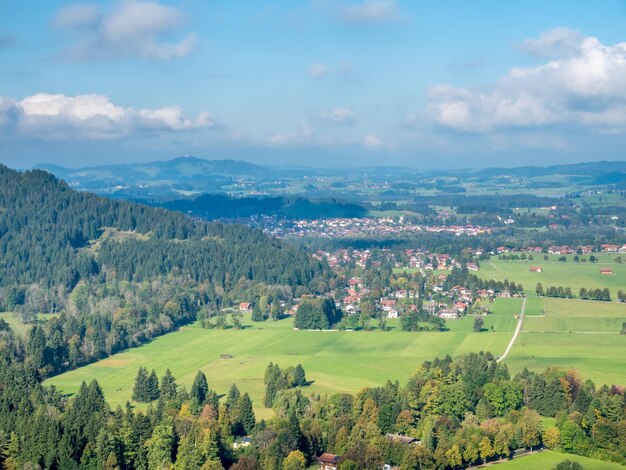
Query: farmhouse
[[472, 266], [606, 271], [245, 307], [536, 269], [328, 461], [449, 314]]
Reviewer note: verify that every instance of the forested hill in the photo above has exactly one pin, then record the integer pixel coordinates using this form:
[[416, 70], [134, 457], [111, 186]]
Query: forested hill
[[123, 272], [47, 232], [216, 206]]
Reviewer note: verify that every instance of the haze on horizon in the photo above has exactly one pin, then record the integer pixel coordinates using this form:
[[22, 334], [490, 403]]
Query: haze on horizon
[[319, 82]]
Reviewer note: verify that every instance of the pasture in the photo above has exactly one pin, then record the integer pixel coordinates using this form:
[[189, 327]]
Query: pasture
[[573, 334], [336, 361], [558, 273], [549, 459]]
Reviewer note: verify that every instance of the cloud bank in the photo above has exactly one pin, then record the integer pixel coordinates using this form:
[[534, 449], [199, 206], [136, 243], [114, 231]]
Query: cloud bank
[[582, 87], [91, 117]]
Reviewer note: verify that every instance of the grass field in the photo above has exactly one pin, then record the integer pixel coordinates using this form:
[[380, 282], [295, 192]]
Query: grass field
[[573, 333], [549, 459], [556, 273], [339, 361], [17, 326]]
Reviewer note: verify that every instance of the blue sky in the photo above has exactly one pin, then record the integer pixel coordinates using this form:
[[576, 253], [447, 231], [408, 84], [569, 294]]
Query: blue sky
[[321, 82]]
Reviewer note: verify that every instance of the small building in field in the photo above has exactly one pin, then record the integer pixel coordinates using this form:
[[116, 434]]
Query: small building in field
[[606, 271], [536, 269], [245, 307], [328, 461]]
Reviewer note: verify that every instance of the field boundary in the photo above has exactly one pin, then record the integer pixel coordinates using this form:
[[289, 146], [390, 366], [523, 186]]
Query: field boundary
[[518, 329]]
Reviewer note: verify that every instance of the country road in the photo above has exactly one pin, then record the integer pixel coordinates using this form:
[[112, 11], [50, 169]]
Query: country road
[[518, 328]]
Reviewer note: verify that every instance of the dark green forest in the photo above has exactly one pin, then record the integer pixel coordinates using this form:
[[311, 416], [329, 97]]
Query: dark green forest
[[120, 273]]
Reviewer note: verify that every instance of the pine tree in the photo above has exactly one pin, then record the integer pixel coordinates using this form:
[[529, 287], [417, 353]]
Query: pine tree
[[245, 413], [168, 386], [257, 314], [232, 397], [200, 388], [152, 387], [140, 390], [299, 376]]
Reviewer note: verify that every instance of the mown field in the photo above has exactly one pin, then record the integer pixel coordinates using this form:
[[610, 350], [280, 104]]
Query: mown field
[[340, 361], [549, 459], [557, 273], [573, 334]]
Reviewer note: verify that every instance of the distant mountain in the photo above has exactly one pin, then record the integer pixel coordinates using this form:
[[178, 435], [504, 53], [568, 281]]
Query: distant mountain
[[592, 169], [179, 174]]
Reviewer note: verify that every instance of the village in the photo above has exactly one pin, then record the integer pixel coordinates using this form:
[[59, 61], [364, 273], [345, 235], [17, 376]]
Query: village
[[367, 226]]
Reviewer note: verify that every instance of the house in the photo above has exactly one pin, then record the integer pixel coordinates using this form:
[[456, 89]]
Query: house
[[472, 266], [243, 442], [485, 293], [392, 313], [460, 306], [430, 307], [606, 271], [406, 440], [328, 461], [536, 269], [448, 314], [505, 293], [245, 307]]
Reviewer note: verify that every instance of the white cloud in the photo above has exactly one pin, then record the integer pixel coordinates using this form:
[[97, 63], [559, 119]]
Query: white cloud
[[584, 89], [372, 141], [303, 134], [130, 28], [558, 42], [318, 70], [339, 115], [371, 11], [60, 117]]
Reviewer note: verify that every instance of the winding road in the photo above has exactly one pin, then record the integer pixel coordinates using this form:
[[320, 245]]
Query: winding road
[[518, 329]]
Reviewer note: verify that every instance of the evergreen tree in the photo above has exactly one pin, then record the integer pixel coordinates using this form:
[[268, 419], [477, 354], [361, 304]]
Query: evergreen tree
[[168, 386], [140, 390], [232, 397], [152, 386], [200, 388], [299, 377], [245, 413], [257, 313]]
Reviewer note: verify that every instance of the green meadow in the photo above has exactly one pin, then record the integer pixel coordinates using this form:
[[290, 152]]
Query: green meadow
[[558, 273], [573, 334], [336, 361], [549, 459]]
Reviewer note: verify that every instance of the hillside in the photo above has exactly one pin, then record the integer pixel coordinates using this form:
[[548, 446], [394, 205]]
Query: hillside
[[125, 272], [215, 206]]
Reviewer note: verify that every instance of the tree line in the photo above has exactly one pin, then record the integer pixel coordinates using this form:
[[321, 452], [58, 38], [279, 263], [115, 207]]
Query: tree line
[[463, 412]]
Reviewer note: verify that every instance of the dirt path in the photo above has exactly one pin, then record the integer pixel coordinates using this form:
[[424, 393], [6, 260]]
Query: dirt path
[[518, 328]]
